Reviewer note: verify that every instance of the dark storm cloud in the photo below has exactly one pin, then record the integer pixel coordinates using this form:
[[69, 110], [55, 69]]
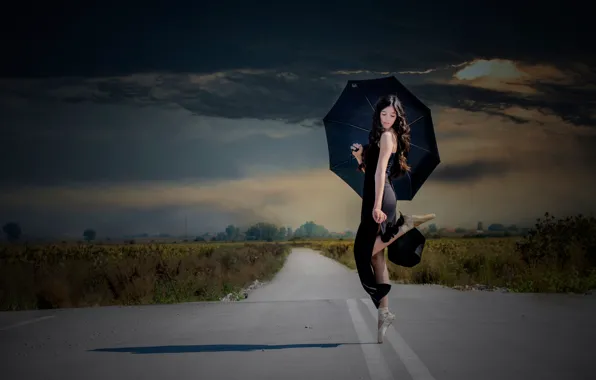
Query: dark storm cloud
[[296, 97], [469, 171], [575, 105], [104, 39], [274, 60], [271, 95], [572, 105], [262, 95]]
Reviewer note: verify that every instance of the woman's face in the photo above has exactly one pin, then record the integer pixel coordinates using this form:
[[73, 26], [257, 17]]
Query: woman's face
[[388, 116]]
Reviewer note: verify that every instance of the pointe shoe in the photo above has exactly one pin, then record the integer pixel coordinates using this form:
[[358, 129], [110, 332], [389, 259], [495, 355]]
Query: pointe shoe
[[413, 221], [385, 320], [421, 219]]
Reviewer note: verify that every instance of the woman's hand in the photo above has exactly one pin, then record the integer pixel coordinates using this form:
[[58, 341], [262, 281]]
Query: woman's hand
[[356, 151], [379, 216]]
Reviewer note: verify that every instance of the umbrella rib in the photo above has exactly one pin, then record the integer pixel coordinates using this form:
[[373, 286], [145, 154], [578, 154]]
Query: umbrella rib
[[340, 164], [421, 148], [420, 118], [364, 129], [351, 125], [369, 103], [410, 182]]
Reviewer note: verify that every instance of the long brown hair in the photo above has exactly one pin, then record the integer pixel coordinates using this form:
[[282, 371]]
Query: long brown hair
[[401, 128]]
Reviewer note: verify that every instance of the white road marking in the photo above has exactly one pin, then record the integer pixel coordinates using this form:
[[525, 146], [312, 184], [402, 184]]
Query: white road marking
[[26, 322], [414, 365], [377, 367]]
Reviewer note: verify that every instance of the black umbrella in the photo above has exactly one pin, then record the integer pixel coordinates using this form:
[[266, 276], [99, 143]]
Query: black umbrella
[[350, 119]]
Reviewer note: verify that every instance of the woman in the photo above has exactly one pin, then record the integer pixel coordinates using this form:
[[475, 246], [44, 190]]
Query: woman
[[384, 158]]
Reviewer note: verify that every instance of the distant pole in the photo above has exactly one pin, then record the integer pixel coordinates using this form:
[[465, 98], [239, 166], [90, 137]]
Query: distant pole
[[185, 226]]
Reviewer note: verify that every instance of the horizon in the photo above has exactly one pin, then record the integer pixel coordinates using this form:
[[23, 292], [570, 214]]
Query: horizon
[[193, 234], [139, 133]]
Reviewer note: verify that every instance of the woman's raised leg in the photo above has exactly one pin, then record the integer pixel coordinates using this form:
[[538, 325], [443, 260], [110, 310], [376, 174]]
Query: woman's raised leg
[[410, 222]]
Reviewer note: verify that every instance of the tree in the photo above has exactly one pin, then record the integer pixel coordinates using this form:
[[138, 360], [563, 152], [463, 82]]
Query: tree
[[432, 228], [232, 232], [262, 231], [311, 229], [89, 234], [496, 227], [480, 226], [283, 233], [12, 231]]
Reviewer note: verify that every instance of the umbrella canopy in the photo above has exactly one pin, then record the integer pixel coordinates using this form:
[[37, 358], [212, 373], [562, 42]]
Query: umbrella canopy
[[350, 120]]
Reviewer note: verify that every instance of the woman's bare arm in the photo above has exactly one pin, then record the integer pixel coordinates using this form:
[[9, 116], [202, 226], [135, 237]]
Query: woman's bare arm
[[386, 146]]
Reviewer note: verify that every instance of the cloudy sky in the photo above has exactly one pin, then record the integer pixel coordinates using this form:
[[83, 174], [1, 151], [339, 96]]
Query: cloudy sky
[[129, 119]]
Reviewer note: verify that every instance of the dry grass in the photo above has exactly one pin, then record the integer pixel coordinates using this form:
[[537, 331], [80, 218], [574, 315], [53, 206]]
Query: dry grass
[[557, 256], [82, 275]]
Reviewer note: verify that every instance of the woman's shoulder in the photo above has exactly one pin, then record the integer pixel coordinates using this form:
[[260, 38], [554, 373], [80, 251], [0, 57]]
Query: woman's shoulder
[[388, 135], [389, 138]]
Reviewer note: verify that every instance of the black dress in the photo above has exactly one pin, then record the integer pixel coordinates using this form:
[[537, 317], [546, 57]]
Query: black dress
[[368, 229]]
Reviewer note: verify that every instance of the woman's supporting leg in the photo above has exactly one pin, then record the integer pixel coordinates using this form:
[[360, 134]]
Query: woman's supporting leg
[[385, 317], [381, 273]]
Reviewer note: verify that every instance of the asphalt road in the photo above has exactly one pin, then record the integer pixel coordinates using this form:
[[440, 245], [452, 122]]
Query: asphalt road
[[313, 321]]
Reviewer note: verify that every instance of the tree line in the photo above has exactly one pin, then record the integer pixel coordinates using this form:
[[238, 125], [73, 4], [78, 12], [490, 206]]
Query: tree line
[[264, 231], [261, 231]]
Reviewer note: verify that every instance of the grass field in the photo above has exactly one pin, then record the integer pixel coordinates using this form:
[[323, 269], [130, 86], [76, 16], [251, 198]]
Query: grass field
[[78, 275], [557, 256], [492, 262]]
